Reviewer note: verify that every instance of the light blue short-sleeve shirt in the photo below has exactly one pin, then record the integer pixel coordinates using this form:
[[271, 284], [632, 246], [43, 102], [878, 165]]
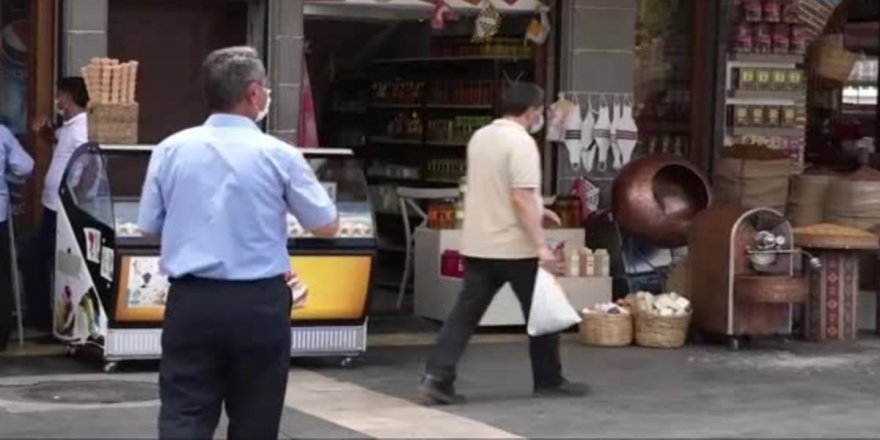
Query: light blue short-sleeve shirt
[[15, 166], [219, 194]]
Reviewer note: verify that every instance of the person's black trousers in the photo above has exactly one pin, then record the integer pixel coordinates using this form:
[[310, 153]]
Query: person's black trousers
[[224, 343], [7, 303], [482, 280], [37, 260]]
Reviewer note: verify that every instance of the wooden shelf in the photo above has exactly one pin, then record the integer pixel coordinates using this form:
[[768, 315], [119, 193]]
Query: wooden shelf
[[461, 59], [393, 141], [768, 58], [768, 131], [768, 95], [445, 144], [391, 106]]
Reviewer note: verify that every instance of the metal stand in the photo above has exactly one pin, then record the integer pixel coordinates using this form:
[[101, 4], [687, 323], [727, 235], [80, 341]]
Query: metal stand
[[16, 279]]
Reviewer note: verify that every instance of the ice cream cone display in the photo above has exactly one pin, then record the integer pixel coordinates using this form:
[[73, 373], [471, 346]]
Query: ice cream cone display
[[113, 111]]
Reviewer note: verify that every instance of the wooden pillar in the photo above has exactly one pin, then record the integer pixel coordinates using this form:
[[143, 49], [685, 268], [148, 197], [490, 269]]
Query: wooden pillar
[[40, 95]]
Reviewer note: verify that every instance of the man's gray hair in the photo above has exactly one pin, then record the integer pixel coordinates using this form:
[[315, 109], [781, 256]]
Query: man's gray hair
[[227, 74]]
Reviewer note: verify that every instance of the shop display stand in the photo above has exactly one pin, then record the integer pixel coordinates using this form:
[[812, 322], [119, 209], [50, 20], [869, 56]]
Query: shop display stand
[[436, 292], [787, 138], [110, 294]]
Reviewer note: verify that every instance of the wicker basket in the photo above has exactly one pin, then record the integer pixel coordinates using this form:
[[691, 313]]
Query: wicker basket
[[661, 331], [835, 63], [606, 330], [113, 123]]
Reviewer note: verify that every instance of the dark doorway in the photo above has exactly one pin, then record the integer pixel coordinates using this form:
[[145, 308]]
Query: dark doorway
[[170, 39]]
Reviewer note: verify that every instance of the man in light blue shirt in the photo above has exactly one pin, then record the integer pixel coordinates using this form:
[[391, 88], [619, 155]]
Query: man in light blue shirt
[[218, 196], [15, 166]]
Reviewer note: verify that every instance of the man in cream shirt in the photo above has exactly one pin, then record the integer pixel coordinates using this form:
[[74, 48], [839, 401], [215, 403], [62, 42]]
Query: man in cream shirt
[[503, 242]]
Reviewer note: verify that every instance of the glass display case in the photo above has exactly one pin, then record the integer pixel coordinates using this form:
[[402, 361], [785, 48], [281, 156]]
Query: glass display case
[[340, 174], [113, 272], [343, 178]]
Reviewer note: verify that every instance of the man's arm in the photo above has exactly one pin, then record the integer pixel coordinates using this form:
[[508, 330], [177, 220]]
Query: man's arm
[[151, 214], [529, 214], [308, 201], [18, 162]]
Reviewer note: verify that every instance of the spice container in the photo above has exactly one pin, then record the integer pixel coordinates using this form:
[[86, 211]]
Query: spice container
[[572, 262], [772, 11], [795, 80], [741, 115], [746, 79], [763, 79], [603, 263], [781, 38], [791, 11], [586, 261], [756, 116], [752, 11], [762, 38], [772, 116], [743, 40], [800, 39], [780, 79], [789, 116]]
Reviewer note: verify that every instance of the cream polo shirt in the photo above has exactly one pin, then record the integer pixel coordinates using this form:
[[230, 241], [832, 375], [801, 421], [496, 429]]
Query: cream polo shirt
[[501, 156]]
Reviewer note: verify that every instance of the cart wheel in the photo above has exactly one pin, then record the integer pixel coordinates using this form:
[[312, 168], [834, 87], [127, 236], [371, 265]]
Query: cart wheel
[[734, 343], [346, 362], [71, 350], [110, 367]]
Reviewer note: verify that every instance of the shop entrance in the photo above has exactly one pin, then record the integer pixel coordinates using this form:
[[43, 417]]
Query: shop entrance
[[170, 40], [405, 97]]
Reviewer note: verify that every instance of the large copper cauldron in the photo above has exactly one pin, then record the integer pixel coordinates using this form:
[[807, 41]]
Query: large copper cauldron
[[655, 198]]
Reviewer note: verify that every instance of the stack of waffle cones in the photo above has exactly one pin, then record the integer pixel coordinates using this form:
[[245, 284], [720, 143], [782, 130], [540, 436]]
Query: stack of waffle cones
[[110, 82]]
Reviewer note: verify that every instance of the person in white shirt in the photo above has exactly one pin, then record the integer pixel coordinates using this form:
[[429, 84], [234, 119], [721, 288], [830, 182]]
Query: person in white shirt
[[37, 255], [15, 166]]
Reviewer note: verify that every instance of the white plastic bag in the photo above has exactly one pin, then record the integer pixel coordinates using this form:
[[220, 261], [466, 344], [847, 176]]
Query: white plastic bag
[[551, 312]]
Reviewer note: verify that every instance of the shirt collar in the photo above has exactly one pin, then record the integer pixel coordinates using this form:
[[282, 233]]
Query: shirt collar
[[509, 123], [81, 117], [230, 120]]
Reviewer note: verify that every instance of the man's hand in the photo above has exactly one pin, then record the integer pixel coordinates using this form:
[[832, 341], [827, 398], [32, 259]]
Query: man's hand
[[43, 127], [547, 259], [299, 293], [551, 219]]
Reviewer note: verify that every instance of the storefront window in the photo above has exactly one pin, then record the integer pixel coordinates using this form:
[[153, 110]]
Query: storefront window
[[664, 60], [14, 65]]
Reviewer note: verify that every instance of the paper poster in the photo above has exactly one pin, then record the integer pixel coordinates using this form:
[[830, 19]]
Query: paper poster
[[107, 263], [146, 286], [93, 245]]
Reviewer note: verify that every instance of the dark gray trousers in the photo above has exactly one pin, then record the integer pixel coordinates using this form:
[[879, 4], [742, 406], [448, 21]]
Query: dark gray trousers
[[224, 343], [482, 280]]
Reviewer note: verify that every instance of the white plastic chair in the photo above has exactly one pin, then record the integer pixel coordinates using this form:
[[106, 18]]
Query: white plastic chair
[[409, 198]]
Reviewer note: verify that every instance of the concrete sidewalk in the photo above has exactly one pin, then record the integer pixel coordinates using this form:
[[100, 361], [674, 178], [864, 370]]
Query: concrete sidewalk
[[802, 391]]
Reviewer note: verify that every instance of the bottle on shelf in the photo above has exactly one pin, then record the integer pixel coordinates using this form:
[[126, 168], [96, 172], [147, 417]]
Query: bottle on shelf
[[603, 263]]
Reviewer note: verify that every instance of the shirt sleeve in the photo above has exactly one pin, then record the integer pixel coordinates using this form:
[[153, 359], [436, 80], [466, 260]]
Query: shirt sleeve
[[306, 198], [19, 163], [525, 165], [151, 213]]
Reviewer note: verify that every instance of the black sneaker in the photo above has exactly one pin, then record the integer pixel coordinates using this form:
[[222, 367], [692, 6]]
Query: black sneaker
[[435, 392], [565, 389]]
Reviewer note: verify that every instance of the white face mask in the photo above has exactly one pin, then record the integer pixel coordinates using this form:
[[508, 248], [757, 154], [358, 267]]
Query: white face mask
[[265, 111], [537, 126]]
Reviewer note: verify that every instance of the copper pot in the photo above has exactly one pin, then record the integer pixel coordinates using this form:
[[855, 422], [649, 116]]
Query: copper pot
[[655, 198]]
